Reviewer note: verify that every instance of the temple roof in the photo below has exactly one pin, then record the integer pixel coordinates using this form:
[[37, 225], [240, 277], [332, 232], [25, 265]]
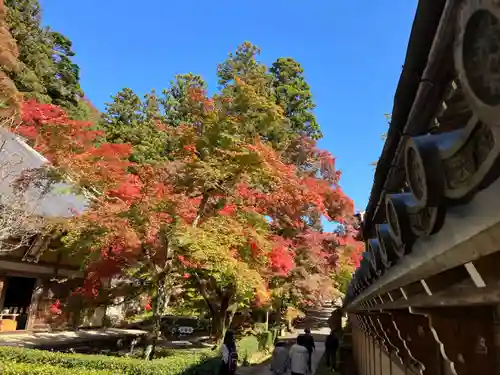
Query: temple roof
[[16, 157], [426, 21]]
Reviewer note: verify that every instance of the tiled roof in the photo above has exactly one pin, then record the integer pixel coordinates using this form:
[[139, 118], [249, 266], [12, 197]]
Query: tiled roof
[[16, 157]]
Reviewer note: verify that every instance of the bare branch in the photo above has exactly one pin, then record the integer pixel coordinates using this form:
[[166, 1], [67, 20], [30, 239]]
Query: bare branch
[[18, 221]]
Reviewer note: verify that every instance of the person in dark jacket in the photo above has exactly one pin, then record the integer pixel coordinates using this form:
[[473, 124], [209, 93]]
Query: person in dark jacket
[[229, 355], [309, 344], [331, 347], [280, 361]]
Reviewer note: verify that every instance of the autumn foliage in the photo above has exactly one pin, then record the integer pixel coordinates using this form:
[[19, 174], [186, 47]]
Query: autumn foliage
[[237, 209], [227, 211]]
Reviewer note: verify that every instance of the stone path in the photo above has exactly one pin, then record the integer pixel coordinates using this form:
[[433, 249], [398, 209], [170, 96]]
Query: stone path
[[263, 369], [317, 321]]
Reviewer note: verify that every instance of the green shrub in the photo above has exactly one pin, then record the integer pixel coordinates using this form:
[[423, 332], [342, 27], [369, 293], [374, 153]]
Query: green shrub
[[250, 345], [247, 347], [40, 369], [266, 339], [185, 363], [21, 361]]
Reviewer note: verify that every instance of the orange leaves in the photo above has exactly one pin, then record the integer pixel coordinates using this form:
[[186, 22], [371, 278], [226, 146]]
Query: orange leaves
[[223, 195], [190, 148], [228, 210], [286, 194], [69, 145], [127, 190], [281, 257], [262, 297]]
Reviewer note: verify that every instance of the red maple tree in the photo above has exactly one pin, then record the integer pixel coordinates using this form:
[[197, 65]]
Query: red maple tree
[[227, 212]]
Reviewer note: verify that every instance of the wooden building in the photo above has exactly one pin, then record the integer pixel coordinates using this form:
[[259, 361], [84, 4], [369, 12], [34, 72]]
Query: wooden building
[[34, 277]]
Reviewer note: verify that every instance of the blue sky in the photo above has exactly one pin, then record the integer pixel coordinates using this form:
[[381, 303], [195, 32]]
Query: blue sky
[[352, 53]]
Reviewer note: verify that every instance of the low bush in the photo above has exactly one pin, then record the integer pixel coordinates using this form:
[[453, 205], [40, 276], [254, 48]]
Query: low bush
[[266, 339], [247, 347], [250, 345], [53, 363], [21, 361], [41, 369]]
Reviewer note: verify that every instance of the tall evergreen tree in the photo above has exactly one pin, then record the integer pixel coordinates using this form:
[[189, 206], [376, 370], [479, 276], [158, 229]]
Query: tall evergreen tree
[[176, 100], [242, 72], [9, 63], [128, 119], [293, 94], [125, 111], [243, 64], [47, 72]]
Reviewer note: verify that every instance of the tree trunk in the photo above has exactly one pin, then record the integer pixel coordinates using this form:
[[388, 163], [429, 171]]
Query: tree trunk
[[222, 317], [158, 305], [219, 325]]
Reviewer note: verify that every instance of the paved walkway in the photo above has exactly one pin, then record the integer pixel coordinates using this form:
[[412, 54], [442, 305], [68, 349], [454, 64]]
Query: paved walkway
[[317, 321], [263, 369]]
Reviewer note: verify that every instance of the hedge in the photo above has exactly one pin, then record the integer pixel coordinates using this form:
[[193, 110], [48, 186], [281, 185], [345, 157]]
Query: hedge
[[41, 369], [54, 363], [22, 361]]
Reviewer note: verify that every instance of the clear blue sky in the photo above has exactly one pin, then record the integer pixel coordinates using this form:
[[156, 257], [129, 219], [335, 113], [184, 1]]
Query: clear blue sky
[[352, 53]]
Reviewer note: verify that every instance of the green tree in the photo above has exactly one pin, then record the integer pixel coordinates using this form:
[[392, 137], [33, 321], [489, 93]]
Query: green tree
[[243, 64], [47, 72], [128, 119], [176, 102], [247, 83], [293, 94], [124, 112]]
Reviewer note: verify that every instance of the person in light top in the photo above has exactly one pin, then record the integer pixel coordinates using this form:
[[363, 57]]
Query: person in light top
[[299, 357]]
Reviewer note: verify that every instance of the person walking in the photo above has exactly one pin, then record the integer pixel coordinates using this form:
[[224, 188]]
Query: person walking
[[229, 355], [310, 346], [280, 360], [331, 347], [299, 357]]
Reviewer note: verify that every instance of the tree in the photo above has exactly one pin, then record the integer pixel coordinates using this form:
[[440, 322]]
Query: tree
[[123, 113], [176, 102], [243, 65], [134, 221], [247, 87], [293, 94], [224, 210], [206, 211], [9, 64], [349, 258], [128, 119], [47, 72]]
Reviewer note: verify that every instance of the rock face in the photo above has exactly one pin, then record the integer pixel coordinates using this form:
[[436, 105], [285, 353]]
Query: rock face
[[9, 96]]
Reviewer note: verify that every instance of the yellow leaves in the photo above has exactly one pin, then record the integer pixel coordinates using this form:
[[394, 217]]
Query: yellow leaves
[[215, 246]]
